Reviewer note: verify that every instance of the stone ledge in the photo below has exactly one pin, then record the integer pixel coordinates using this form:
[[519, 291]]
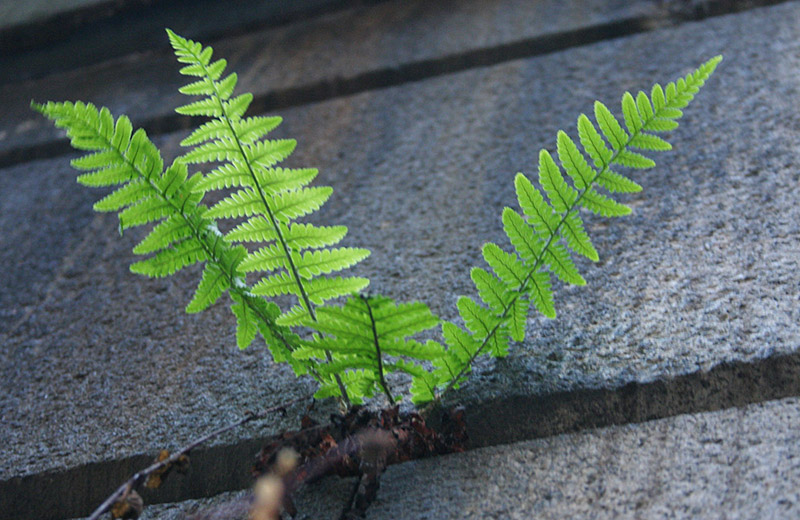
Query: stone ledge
[[339, 53], [41, 37], [421, 174], [734, 463]]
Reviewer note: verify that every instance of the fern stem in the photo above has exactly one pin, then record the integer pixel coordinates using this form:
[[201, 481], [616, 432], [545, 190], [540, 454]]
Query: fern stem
[[339, 382], [382, 380], [540, 259]]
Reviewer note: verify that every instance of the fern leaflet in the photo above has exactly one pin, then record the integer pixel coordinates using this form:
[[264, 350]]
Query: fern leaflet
[[369, 337]]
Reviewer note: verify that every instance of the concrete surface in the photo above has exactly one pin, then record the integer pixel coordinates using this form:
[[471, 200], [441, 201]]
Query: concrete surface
[[693, 306], [41, 37], [19, 13], [343, 52], [734, 463]]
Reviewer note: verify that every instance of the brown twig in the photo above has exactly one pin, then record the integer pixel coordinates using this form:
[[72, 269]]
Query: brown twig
[[137, 479]]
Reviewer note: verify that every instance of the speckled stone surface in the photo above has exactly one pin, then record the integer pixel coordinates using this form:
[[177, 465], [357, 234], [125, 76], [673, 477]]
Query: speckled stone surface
[[99, 364], [735, 463], [289, 63]]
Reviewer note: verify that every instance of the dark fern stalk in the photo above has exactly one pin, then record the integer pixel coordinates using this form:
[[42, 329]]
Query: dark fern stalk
[[378, 354]]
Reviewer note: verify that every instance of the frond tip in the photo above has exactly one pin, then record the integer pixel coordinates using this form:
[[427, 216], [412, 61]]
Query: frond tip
[[550, 227]]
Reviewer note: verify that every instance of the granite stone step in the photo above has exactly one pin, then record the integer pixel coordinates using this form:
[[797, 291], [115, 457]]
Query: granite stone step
[[340, 53], [734, 463], [40, 37], [693, 306]]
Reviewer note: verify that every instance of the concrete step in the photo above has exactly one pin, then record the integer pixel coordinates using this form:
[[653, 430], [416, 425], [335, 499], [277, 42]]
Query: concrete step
[[694, 305], [340, 53], [40, 37]]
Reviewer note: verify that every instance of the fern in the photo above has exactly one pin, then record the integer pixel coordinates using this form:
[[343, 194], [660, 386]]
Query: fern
[[350, 348], [359, 334], [550, 225]]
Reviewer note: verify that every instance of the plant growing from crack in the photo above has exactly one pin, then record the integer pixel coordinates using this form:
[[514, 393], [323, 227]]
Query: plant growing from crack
[[350, 348]]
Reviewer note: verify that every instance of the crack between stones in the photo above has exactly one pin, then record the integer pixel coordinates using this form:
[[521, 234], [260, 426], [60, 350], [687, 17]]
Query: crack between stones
[[75, 492]]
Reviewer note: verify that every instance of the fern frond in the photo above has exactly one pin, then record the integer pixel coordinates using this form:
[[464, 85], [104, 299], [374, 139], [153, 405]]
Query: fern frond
[[272, 198], [552, 219], [183, 235]]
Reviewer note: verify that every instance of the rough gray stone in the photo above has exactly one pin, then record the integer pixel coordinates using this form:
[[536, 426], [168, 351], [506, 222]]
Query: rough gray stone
[[100, 365], [309, 58], [735, 463]]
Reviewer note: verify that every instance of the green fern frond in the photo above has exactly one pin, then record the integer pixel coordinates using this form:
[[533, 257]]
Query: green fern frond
[[183, 234], [371, 336], [270, 198], [551, 226]]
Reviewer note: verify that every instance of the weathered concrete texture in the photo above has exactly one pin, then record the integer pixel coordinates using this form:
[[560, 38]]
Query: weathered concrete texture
[[344, 50], [46, 37], [100, 365], [735, 463], [20, 13]]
